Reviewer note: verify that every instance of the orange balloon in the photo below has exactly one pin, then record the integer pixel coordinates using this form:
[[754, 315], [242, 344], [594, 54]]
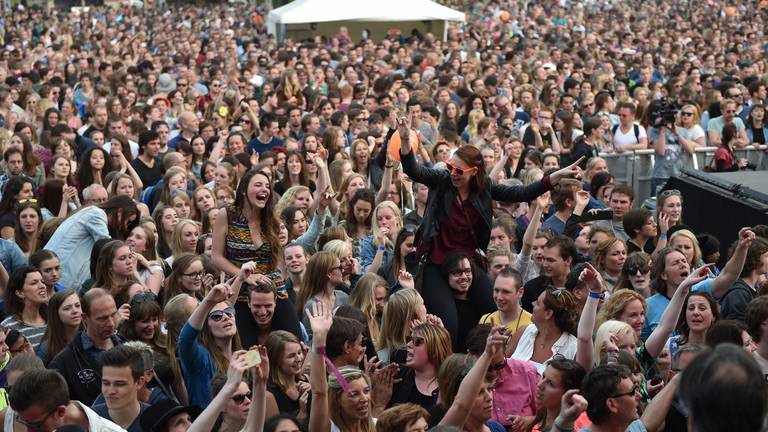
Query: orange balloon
[[504, 16], [394, 144], [730, 10]]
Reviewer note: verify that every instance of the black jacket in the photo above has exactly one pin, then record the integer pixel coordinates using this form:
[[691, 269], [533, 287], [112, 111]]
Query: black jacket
[[442, 194], [82, 372]]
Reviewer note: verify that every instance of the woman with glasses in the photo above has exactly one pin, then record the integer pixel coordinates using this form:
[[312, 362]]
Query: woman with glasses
[[427, 348], [458, 217], [207, 342], [636, 274], [404, 306], [188, 277], [689, 132], [343, 250], [553, 330]]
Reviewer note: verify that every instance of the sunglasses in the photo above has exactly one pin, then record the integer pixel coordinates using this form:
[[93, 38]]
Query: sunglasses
[[459, 171], [637, 269], [218, 315], [144, 296], [417, 340], [686, 114], [670, 192], [239, 399]]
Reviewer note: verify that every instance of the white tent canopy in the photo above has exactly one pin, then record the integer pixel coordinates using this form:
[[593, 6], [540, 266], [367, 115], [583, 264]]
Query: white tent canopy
[[318, 11]]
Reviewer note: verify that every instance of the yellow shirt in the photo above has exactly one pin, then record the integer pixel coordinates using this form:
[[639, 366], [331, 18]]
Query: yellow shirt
[[523, 320]]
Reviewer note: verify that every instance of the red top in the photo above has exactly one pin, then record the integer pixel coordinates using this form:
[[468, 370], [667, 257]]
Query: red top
[[456, 232]]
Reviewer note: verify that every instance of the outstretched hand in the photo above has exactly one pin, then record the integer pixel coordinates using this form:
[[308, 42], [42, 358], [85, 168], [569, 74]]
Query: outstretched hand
[[571, 171], [320, 318], [591, 279]]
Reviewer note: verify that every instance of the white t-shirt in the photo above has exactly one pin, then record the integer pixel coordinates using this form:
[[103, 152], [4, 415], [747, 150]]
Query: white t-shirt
[[621, 139], [565, 346]]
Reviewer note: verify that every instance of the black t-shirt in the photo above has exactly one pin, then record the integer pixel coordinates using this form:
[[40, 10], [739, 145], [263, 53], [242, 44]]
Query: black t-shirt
[[529, 139], [532, 290], [406, 391], [149, 176], [469, 315]]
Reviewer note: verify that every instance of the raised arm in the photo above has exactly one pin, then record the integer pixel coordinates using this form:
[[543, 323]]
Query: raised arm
[[655, 342], [656, 412], [534, 224], [320, 321], [528, 193], [237, 367], [585, 349], [257, 412], [386, 181], [732, 270], [458, 413], [217, 294], [417, 172], [499, 165]]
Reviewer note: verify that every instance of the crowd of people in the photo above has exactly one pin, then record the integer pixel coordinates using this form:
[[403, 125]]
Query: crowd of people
[[206, 228]]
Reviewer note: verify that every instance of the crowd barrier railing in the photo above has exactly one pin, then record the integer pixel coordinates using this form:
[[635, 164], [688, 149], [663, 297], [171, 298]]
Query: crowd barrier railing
[[635, 168]]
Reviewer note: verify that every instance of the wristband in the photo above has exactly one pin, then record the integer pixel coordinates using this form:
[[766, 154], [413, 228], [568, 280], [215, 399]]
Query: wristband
[[663, 235], [319, 349], [381, 248], [594, 295]]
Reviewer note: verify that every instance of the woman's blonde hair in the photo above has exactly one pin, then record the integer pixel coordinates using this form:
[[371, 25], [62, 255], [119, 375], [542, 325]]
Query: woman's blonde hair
[[337, 247], [177, 248], [390, 205], [616, 303], [399, 311], [601, 252], [696, 262], [175, 315], [363, 297], [619, 328], [288, 197], [336, 392], [437, 341]]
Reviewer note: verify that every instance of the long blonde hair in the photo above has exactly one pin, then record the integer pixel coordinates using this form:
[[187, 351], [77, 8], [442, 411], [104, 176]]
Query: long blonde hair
[[396, 210], [616, 303], [177, 248], [315, 278], [363, 297], [399, 311], [619, 328]]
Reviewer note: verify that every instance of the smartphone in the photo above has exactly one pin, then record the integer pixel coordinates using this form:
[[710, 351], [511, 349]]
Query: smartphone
[[253, 358]]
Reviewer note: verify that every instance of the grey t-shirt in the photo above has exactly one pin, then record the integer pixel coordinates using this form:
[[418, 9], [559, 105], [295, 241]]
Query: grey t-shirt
[[668, 165]]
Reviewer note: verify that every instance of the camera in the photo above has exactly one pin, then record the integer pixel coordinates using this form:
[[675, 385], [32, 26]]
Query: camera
[[663, 112]]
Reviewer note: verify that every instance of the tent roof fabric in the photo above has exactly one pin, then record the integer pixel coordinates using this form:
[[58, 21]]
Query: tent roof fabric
[[313, 11]]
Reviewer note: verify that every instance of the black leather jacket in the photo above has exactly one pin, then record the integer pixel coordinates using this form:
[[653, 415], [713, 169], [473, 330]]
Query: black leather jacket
[[442, 193]]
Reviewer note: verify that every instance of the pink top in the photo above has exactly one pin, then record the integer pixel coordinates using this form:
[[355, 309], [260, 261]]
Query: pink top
[[515, 391], [581, 422]]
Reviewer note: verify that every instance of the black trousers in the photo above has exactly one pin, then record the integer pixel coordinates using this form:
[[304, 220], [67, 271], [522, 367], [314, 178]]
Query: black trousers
[[438, 297]]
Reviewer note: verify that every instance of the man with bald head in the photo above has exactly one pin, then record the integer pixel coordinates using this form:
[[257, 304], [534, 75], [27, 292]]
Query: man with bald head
[[189, 124]]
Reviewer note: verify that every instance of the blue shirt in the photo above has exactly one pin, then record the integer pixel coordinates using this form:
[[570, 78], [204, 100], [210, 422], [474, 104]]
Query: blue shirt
[[657, 304], [554, 224], [197, 366], [11, 255], [103, 411], [259, 147]]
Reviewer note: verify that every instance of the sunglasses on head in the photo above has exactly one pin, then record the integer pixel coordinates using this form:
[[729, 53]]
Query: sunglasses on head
[[239, 399], [218, 315], [453, 169], [144, 296]]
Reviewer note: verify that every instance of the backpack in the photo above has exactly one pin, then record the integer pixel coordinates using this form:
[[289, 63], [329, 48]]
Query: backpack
[[635, 127]]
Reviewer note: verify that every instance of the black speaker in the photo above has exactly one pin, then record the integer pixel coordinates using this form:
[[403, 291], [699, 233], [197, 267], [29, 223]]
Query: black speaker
[[719, 207]]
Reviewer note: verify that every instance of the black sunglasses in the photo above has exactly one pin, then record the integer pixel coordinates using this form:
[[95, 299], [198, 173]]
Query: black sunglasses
[[417, 340], [218, 315], [144, 296], [239, 399], [635, 269]]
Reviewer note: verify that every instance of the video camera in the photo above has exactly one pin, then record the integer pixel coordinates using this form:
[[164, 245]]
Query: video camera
[[663, 112]]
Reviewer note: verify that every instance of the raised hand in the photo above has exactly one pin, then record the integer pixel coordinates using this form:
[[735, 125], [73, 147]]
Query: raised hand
[[582, 198], [381, 239], [247, 269], [496, 341], [405, 279], [404, 129], [592, 279], [571, 171], [611, 343], [696, 276], [746, 236], [572, 405], [320, 319], [543, 201], [219, 293], [237, 367], [262, 370], [663, 223]]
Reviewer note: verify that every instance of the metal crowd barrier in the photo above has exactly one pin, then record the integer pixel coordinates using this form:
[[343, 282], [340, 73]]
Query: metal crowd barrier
[[635, 167]]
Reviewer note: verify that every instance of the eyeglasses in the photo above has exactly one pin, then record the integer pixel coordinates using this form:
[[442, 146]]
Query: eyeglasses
[[730, 111], [444, 150], [459, 171], [686, 114], [417, 340], [218, 315], [239, 399], [459, 272], [243, 121], [28, 200], [635, 390], [196, 275], [34, 426]]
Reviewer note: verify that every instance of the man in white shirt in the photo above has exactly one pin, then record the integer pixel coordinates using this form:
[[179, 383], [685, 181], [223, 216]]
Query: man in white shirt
[[628, 134]]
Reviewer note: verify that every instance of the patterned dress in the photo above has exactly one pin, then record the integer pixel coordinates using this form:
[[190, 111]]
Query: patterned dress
[[240, 249]]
